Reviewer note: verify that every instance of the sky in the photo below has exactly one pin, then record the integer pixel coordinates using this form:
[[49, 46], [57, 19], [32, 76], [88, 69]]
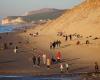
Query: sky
[[19, 7]]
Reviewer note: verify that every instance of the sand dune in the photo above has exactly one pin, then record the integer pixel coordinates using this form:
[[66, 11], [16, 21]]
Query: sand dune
[[83, 19]]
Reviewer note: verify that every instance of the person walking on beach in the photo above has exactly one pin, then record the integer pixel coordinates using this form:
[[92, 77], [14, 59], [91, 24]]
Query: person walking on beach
[[59, 43], [87, 42], [5, 46], [67, 67], [96, 67], [66, 38], [61, 67], [58, 56], [70, 36], [15, 49], [51, 45], [38, 60], [48, 63], [78, 42], [44, 58], [53, 60], [54, 44], [34, 59]]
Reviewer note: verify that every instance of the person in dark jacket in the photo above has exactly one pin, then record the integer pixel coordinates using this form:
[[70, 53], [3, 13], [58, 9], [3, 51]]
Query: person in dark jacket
[[38, 60], [96, 67], [70, 36], [54, 44], [59, 43], [34, 59], [66, 38]]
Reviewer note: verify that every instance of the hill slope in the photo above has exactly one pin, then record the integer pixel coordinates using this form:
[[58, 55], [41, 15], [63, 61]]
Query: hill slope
[[46, 13], [83, 19]]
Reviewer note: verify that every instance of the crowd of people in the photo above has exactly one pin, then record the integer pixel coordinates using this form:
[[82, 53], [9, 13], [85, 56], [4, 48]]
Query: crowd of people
[[55, 44], [50, 60]]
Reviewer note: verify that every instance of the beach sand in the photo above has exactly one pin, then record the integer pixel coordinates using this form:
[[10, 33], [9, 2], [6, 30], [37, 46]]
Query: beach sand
[[80, 58]]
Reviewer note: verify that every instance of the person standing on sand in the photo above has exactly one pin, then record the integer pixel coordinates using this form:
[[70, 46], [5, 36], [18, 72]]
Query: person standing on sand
[[44, 58], [96, 67], [78, 42], [59, 43], [58, 56], [61, 67], [15, 49], [34, 59], [54, 44], [70, 36], [53, 60], [66, 38], [87, 42], [51, 45], [67, 67], [48, 63], [38, 59], [5, 46]]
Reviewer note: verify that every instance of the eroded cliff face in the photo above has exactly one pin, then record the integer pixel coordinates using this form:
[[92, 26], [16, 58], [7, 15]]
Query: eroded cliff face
[[83, 19]]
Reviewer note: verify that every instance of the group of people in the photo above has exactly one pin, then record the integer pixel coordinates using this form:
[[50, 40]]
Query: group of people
[[34, 34], [15, 49], [55, 44], [86, 42], [68, 36], [50, 60], [47, 60], [62, 67], [36, 60]]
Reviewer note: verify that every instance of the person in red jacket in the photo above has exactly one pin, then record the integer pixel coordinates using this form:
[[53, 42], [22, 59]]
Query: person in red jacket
[[58, 56]]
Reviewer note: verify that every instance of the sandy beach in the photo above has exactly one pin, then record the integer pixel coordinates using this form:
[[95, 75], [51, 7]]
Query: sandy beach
[[81, 50], [80, 58]]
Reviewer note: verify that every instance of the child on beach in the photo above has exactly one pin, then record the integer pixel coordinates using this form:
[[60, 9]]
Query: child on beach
[[96, 67], [48, 63], [67, 67], [61, 67], [15, 50]]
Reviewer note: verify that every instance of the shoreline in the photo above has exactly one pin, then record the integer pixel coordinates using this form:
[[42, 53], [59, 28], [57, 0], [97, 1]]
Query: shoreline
[[16, 28], [72, 76]]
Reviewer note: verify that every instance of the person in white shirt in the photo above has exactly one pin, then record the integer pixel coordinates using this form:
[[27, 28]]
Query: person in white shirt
[[15, 50], [61, 67], [67, 66], [44, 58]]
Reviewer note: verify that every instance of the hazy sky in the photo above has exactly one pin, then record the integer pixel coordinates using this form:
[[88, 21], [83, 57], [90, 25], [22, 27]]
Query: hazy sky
[[19, 7]]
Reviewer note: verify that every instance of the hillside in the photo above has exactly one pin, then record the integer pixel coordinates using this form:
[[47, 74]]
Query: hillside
[[44, 10], [46, 13], [83, 19]]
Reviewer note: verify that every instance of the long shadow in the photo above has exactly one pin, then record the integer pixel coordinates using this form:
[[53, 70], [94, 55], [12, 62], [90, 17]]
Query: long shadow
[[65, 46], [9, 61], [80, 68], [64, 60]]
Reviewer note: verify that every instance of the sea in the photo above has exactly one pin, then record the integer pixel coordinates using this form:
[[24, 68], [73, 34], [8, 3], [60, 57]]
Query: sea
[[5, 77], [14, 27], [6, 28]]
